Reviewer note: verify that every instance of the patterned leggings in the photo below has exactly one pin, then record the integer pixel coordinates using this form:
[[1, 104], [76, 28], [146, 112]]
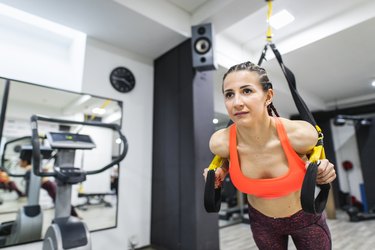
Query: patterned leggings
[[308, 231]]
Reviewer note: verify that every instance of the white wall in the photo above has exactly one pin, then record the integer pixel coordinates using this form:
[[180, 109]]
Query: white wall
[[135, 171], [42, 55], [346, 149], [134, 219]]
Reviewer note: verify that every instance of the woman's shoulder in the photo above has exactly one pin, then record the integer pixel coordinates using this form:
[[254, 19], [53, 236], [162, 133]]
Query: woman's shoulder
[[302, 135], [219, 142]]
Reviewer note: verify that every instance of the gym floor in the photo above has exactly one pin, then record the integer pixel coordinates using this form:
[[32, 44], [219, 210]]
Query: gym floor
[[345, 235], [8, 212]]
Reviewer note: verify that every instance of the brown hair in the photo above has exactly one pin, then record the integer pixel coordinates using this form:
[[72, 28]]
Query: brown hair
[[263, 79]]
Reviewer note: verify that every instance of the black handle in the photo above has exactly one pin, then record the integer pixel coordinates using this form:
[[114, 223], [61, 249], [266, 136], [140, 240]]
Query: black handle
[[36, 145]]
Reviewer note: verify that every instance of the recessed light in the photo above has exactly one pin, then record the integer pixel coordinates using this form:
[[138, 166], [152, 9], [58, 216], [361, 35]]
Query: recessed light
[[281, 19], [373, 83], [98, 111], [215, 121]]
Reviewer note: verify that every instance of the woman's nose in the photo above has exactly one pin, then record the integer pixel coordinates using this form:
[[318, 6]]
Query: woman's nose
[[237, 101]]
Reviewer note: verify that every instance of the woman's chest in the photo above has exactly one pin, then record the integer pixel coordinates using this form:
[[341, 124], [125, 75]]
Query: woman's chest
[[263, 162]]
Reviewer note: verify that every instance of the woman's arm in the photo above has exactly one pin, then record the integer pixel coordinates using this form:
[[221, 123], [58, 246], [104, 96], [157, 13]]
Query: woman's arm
[[302, 135], [219, 145]]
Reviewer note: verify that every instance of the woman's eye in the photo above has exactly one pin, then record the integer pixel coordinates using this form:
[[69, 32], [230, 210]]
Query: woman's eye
[[228, 95], [247, 91]]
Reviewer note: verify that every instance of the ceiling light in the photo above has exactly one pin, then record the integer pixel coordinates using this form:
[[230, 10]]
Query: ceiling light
[[373, 83], [215, 121], [98, 111], [113, 117], [281, 19], [339, 121], [366, 122], [39, 22]]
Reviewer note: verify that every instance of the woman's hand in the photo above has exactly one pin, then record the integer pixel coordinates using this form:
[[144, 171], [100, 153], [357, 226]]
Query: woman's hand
[[326, 172], [220, 174]]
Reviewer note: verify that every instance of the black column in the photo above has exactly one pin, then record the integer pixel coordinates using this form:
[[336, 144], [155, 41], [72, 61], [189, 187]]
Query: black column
[[183, 113]]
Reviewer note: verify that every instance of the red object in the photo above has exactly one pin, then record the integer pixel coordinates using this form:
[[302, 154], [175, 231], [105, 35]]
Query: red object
[[347, 165]]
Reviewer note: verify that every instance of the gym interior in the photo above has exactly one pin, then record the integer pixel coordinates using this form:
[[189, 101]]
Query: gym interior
[[141, 81]]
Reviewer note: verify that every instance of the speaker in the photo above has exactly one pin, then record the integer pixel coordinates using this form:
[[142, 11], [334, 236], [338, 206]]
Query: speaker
[[202, 47]]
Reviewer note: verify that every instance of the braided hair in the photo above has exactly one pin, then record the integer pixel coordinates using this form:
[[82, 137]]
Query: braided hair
[[263, 79]]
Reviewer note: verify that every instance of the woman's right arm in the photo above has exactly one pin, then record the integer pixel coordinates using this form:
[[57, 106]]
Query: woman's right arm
[[219, 145]]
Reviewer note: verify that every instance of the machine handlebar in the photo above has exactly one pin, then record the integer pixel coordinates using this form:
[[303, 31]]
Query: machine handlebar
[[36, 144]]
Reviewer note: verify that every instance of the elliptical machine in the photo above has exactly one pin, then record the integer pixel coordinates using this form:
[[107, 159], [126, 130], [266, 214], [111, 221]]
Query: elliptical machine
[[67, 232], [28, 224]]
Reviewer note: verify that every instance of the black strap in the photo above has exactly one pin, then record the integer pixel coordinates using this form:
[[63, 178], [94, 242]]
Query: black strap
[[308, 202], [212, 195], [309, 182]]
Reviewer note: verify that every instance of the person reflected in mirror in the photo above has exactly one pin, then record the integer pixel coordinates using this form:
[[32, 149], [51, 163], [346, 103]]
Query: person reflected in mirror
[[46, 183], [266, 156], [114, 179], [7, 184]]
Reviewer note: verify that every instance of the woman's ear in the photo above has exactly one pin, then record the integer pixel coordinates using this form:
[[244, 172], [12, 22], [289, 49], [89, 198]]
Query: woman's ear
[[269, 97]]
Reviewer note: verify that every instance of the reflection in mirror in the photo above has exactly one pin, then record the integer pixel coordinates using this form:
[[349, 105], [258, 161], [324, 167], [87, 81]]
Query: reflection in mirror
[[96, 197]]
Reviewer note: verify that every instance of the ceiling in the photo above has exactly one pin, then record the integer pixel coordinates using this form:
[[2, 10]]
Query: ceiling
[[329, 46], [56, 102]]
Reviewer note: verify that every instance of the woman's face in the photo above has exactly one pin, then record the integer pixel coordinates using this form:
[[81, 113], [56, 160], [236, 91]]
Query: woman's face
[[23, 163], [245, 99]]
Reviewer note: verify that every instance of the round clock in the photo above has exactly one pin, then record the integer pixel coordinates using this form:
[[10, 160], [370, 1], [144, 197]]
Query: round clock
[[122, 79]]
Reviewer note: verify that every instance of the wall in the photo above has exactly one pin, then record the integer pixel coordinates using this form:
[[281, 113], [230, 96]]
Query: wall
[[344, 138], [366, 143], [135, 172], [35, 50]]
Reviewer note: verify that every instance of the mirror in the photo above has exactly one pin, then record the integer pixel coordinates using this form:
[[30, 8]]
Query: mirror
[[97, 196]]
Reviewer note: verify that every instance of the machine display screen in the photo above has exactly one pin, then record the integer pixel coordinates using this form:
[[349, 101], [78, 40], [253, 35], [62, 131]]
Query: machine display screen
[[70, 140]]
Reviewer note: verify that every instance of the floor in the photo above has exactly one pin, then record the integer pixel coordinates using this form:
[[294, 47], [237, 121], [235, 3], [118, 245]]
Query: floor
[[345, 235], [90, 215]]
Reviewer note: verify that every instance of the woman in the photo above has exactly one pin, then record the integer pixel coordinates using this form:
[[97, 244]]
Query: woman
[[267, 157], [7, 184]]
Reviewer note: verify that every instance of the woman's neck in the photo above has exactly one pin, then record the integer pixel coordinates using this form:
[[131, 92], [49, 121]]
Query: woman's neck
[[258, 133]]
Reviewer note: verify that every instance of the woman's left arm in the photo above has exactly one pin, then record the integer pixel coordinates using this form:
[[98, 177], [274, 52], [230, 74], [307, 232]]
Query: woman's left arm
[[303, 138]]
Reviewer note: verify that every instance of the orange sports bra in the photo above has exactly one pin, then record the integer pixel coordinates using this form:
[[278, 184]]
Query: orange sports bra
[[272, 187]]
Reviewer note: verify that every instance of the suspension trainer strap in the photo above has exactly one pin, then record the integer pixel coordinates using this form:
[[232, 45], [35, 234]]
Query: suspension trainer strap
[[308, 201], [212, 195]]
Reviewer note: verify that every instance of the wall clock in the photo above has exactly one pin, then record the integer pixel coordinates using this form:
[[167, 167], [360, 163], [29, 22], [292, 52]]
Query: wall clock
[[122, 79]]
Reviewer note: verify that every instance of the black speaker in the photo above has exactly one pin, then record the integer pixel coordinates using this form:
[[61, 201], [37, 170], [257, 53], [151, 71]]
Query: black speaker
[[202, 47]]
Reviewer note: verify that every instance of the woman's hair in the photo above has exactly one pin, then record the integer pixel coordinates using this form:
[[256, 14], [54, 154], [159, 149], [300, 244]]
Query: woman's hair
[[263, 79]]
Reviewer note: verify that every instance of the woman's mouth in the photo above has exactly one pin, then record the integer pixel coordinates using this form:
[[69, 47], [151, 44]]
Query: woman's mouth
[[240, 113]]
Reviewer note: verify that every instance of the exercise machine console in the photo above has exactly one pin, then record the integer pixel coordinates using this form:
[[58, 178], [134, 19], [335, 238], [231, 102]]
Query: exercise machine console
[[68, 232]]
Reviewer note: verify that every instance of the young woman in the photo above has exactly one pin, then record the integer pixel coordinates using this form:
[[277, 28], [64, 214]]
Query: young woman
[[267, 157]]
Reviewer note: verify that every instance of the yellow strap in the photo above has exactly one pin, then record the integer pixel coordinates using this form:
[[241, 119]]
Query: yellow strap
[[269, 14], [216, 162], [318, 151]]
